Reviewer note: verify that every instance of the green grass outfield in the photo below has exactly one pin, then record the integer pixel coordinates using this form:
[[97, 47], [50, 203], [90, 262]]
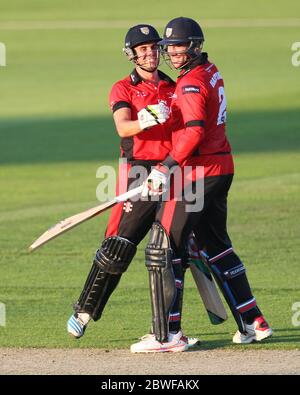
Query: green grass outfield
[[56, 130]]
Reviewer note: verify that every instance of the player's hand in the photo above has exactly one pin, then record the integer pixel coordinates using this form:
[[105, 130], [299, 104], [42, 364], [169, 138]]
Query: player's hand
[[153, 114], [157, 181]]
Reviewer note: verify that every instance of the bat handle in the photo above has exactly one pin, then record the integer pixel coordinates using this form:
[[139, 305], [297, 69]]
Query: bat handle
[[129, 194]]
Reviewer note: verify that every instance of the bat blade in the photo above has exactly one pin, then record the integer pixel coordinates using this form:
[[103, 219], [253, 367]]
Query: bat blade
[[208, 292], [67, 224], [205, 284], [77, 219]]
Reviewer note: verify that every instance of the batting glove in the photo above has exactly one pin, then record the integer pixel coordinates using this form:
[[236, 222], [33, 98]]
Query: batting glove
[[157, 181], [152, 115]]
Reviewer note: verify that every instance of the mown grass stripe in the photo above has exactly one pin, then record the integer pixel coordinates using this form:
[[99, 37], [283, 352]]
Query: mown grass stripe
[[123, 24]]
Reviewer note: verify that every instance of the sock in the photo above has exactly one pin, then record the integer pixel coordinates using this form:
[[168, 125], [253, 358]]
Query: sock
[[251, 315]]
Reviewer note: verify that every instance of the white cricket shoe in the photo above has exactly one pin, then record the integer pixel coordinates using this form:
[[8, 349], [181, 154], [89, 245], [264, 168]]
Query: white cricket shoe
[[191, 341], [77, 324], [176, 343], [255, 332]]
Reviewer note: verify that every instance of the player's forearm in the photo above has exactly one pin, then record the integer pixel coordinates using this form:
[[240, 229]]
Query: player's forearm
[[128, 128]]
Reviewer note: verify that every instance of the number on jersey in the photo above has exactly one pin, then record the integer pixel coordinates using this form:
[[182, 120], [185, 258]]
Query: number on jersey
[[222, 108]]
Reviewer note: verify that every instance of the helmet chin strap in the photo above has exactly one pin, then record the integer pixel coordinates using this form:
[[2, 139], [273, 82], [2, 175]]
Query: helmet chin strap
[[191, 57], [142, 66], [148, 70], [169, 62], [188, 62]]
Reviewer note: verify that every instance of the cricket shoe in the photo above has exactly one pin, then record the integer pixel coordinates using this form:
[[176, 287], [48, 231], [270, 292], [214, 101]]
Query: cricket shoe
[[255, 332], [77, 324], [191, 341], [176, 343]]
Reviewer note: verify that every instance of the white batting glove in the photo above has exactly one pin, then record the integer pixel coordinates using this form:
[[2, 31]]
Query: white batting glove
[[152, 115], [157, 181]]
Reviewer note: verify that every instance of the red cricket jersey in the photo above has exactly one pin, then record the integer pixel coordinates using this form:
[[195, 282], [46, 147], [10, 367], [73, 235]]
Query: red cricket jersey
[[135, 93], [200, 102]]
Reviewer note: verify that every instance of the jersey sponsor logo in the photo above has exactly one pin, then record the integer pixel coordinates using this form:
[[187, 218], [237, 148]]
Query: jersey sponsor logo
[[190, 89]]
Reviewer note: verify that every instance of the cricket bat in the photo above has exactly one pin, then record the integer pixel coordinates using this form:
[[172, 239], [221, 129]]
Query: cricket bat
[[205, 284], [70, 222]]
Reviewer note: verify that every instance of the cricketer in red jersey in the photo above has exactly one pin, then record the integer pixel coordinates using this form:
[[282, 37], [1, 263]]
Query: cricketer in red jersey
[[140, 105], [144, 149], [134, 93], [200, 98], [200, 103]]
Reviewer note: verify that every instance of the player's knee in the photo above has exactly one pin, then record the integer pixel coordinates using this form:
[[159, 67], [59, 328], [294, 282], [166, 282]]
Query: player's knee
[[115, 255], [158, 252]]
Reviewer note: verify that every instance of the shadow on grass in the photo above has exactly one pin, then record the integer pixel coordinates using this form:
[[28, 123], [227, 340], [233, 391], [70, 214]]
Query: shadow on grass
[[58, 140], [211, 345], [289, 330], [42, 140], [292, 337]]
